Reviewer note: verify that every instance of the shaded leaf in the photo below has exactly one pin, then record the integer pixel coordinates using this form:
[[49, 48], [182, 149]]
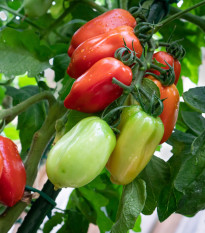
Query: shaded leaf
[[195, 98], [131, 204]]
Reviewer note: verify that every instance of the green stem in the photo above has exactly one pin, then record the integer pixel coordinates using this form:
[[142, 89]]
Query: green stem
[[151, 47], [19, 108], [125, 87], [123, 4], [99, 8], [40, 140], [177, 15], [16, 13], [59, 20], [195, 19]]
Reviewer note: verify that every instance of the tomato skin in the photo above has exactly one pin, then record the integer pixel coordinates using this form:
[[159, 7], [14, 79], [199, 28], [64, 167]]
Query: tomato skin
[[171, 107], [94, 91], [81, 154], [139, 136], [13, 177], [164, 56], [101, 24], [104, 45], [1, 164]]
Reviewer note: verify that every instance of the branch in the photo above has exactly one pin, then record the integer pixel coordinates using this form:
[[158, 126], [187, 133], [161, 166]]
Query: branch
[[199, 21], [19, 108], [123, 4], [99, 8], [16, 13], [177, 15]]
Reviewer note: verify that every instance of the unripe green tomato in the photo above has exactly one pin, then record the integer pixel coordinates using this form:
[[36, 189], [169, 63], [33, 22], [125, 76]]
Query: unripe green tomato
[[81, 154], [139, 136], [36, 8]]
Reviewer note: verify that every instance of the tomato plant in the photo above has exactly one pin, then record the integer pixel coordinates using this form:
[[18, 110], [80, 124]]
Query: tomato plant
[[76, 98]]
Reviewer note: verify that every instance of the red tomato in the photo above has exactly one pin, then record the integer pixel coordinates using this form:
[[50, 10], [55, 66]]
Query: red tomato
[[94, 91], [104, 45], [164, 56], [171, 107], [1, 164], [13, 177], [101, 24]]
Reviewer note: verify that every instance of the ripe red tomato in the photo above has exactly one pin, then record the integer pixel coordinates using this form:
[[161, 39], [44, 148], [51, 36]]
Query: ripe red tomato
[[171, 107], [13, 177], [104, 45], [164, 56], [94, 91], [101, 24]]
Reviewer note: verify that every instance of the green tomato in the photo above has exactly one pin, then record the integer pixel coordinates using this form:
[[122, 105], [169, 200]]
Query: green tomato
[[139, 136], [81, 154], [36, 8]]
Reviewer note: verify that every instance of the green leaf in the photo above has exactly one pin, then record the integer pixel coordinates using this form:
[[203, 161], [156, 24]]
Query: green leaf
[[11, 132], [74, 117], [60, 64], [131, 204], [181, 142], [195, 98], [194, 120], [194, 168], [74, 222], [156, 175], [98, 202], [137, 227], [66, 87], [2, 93], [167, 202], [54, 221], [30, 120], [22, 53], [24, 80]]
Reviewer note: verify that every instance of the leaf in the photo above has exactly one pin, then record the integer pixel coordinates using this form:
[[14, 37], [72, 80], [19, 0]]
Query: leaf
[[11, 132], [24, 80], [74, 117], [137, 227], [2, 93], [30, 120], [195, 98], [66, 87], [181, 142], [131, 204], [22, 53], [60, 64], [194, 168], [74, 222], [54, 221], [98, 202], [194, 120], [167, 202], [156, 175]]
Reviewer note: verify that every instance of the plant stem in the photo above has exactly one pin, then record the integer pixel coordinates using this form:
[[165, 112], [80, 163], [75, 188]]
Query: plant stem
[[123, 4], [19, 108], [40, 140], [177, 15], [99, 8], [199, 21], [39, 210], [16, 13]]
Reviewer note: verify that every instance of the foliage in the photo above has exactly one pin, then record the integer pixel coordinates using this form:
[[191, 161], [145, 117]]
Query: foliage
[[29, 48]]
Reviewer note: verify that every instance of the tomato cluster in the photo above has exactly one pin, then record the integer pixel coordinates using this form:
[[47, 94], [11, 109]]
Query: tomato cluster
[[94, 66]]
